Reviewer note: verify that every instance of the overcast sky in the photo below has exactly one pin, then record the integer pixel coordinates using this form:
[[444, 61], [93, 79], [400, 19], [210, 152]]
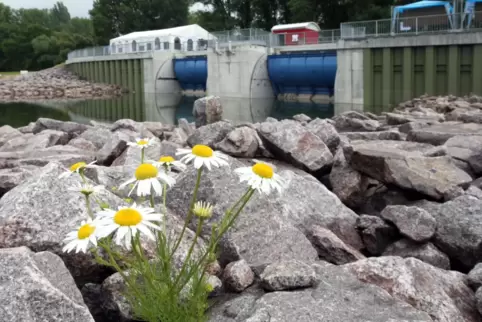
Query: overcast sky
[[77, 8]]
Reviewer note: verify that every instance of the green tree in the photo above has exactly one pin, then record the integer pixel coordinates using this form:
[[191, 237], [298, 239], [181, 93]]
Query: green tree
[[59, 14]]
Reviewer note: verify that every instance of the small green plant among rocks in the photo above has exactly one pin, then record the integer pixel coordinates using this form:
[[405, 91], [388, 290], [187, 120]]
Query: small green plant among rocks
[[158, 288]]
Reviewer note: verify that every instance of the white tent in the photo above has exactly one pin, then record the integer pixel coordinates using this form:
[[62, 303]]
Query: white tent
[[191, 37]]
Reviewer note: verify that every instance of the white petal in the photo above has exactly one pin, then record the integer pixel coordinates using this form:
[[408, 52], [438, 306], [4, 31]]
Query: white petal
[[198, 162], [127, 183], [143, 229]]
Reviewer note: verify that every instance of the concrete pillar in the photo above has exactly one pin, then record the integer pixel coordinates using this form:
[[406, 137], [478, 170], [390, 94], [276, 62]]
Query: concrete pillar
[[349, 80], [240, 74]]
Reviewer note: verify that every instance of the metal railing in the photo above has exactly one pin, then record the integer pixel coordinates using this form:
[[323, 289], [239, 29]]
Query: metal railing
[[304, 38], [412, 25]]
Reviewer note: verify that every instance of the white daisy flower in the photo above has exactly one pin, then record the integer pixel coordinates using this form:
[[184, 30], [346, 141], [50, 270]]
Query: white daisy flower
[[203, 156], [76, 168], [81, 238], [127, 222], [146, 179], [261, 177], [86, 188], [169, 162], [203, 209], [142, 143]]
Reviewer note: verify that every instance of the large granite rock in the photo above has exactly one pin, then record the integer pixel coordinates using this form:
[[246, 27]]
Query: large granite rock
[[207, 110], [238, 276], [438, 134], [210, 134], [7, 133], [326, 132], [240, 142], [269, 228], [426, 252], [72, 128], [113, 302], [128, 126], [444, 295], [338, 296], [38, 287], [12, 177], [475, 277], [468, 149], [353, 121], [415, 223], [287, 275], [459, 230], [40, 212], [374, 136], [132, 155], [29, 142], [291, 141], [402, 164], [376, 233], [99, 136], [112, 149]]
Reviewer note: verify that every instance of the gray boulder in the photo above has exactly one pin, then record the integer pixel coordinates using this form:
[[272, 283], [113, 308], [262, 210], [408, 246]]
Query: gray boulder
[[353, 121], [376, 233], [12, 177], [115, 146], [38, 287], [238, 276], [403, 166], [210, 134], [99, 136], [438, 134], [269, 228], [326, 132], [83, 144], [72, 128], [292, 142], [129, 126], [468, 149], [287, 275], [414, 223], [302, 118], [338, 296], [427, 253], [132, 155], [29, 142], [331, 248], [27, 128], [40, 212], [374, 136], [478, 298], [475, 277], [240, 142], [114, 303], [444, 295], [207, 110]]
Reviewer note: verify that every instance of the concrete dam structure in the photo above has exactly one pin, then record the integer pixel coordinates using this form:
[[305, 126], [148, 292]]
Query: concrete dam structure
[[378, 72]]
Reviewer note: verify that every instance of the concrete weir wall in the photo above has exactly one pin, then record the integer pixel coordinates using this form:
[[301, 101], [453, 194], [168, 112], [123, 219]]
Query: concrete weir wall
[[240, 73]]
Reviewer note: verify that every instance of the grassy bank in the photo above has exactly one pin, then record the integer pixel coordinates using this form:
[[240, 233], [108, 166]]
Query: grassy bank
[[8, 74]]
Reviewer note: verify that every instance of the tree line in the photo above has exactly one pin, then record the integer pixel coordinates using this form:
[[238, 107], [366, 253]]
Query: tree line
[[35, 39]]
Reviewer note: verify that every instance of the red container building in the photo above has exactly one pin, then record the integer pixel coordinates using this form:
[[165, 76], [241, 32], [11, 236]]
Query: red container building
[[303, 33]]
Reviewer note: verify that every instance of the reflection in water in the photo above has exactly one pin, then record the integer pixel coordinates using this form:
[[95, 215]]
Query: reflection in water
[[168, 108], [164, 108]]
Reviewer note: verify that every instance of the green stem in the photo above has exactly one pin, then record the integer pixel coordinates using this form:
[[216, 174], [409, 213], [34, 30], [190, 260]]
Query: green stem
[[89, 209], [152, 199], [164, 224], [142, 155], [81, 173], [189, 213], [189, 253]]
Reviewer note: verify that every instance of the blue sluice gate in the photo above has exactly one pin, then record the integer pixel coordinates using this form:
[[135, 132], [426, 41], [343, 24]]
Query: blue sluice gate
[[303, 73], [191, 72]]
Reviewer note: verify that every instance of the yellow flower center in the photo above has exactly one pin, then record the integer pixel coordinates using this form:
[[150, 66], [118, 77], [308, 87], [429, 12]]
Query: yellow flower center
[[166, 159], [202, 151], [263, 170], [85, 231], [77, 166], [127, 217], [146, 171], [142, 142]]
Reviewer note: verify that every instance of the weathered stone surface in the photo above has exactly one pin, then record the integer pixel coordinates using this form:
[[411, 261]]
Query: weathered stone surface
[[444, 295], [114, 303], [177, 136], [415, 223], [459, 230], [338, 296], [287, 275], [98, 136], [238, 276], [207, 110], [373, 136], [376, 233], [27, 128], [474, 191], [129, 126], [478, 298], [268, 229], [240, 142], [292, 142], [475, 277], [302, 118], [12, 177], [91, 294], [83, 144], [331, 248], [407, 127], [427, 253], [112, 177], [438, 134], [158, 128], [353, 121], [401, 166], [326, 132], [468, 149], [210, 134], [7, 133], [73, 129], [114, 148], [216, 285], [42, 140], [40, 212], [187, 127], [38, 287], [132, 155]]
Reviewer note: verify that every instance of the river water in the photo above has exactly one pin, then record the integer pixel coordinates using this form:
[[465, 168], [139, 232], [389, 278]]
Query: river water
[[166, 108]]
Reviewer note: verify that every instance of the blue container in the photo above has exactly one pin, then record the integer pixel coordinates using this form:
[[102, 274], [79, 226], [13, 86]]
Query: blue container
[[303, 73], [191, 72]]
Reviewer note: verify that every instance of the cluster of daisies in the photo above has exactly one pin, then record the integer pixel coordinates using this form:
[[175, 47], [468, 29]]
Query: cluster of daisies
[[151, 178]]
